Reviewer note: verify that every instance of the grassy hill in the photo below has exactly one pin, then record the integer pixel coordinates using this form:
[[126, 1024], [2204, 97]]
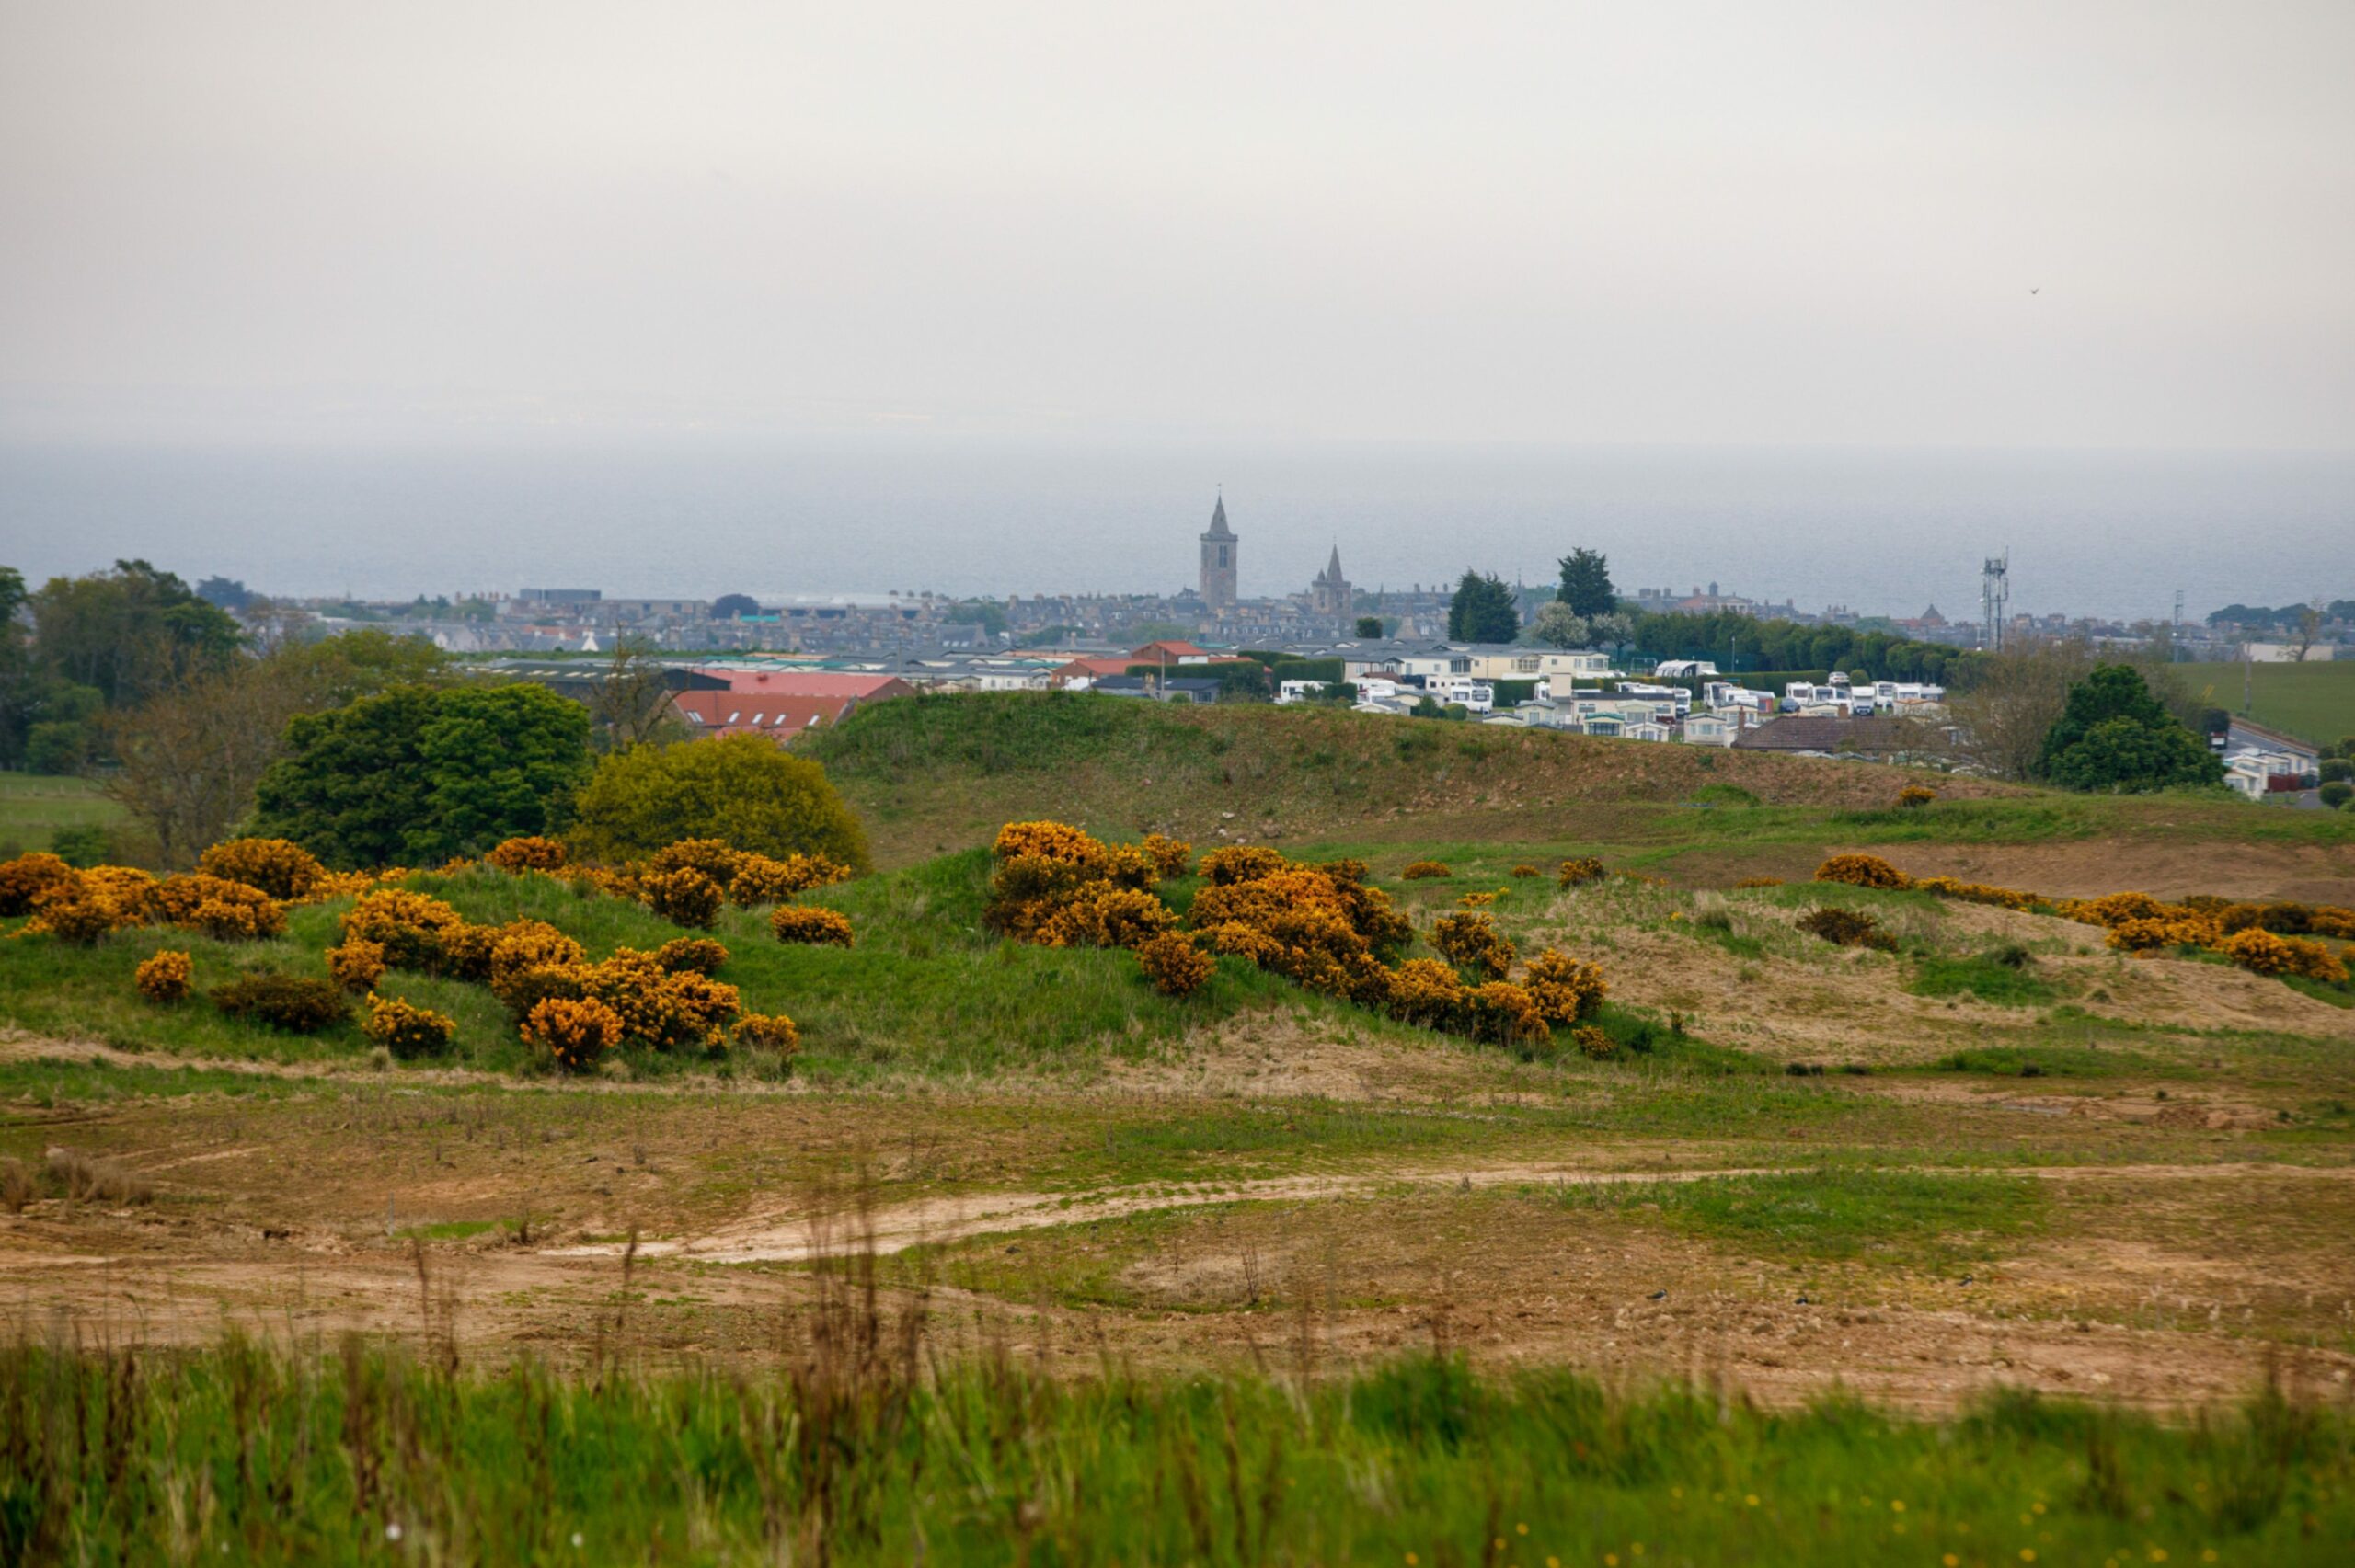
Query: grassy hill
[[2315, 701], [936, 772], [931, 774]]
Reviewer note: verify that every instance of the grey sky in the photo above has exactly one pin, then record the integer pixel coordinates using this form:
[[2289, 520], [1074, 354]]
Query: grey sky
[[1785, 223]]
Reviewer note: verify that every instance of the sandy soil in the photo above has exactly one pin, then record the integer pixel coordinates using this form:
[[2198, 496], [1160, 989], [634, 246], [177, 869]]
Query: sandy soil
[[1353, 1269], [2316, 872]]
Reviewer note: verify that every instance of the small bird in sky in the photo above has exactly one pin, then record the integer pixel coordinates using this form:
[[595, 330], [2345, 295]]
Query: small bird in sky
[[2039, 289]]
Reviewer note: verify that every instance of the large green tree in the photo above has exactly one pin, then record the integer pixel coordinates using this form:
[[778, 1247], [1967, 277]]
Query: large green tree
[[130, 632], [416, 774], [1483, 610], [2114, 735], [185, 762], [742, 789], [1586, 584]]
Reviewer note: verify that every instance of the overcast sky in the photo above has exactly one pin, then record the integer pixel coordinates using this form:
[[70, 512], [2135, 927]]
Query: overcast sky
[[1789, 222]]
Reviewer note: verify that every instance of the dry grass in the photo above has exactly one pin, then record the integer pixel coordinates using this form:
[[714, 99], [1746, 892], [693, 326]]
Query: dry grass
[[86, 1178]]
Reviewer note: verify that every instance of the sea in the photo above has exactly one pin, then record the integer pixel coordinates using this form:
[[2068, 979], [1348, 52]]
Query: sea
[[2108, 534]]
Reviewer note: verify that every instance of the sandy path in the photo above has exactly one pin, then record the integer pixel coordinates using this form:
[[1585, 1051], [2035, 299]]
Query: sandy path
[[801, 1238]]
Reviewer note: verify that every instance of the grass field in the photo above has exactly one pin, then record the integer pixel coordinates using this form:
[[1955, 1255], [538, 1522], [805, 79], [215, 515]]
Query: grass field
[[936, 773], [859, 1457], [1999, 1223], [2314, 701], [33, 807]]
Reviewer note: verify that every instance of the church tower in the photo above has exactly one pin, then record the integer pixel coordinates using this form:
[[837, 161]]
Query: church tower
[[1219, 549], [1330, 594]]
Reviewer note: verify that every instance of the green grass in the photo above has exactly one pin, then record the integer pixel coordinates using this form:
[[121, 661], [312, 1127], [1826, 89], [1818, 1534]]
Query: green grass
[[934, 772], [925, 990], [2314, 701], [2337, 993], [370, 1457], [1983, 976], [33, 807], [1929, 1219], [2057, 1061]]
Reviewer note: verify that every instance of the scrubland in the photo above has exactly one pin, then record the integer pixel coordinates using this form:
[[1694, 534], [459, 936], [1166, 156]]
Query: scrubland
[[1016, 1258]]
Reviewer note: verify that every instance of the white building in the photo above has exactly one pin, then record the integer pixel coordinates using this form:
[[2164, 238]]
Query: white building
[[1708, 729]]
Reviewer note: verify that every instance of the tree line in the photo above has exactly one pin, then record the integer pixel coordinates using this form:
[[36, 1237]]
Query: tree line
[[368, 747]]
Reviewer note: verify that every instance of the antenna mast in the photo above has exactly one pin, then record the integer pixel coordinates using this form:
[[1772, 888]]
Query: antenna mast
[[1994, 595]]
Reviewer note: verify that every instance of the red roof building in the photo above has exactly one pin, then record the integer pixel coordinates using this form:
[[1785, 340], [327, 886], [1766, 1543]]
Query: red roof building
[[809, 684], [1168, 654], [782, 715]]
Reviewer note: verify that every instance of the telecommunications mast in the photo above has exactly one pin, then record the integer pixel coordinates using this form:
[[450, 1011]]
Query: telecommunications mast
[[1995, 595]]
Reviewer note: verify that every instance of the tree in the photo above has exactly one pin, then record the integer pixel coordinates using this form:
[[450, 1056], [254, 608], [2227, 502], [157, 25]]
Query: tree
[[2113, 735], [1369, 625], [1559, 625], [734, 607], [416, 775], [227, 593], [631, 705], [744, 790], [2017, 698], [358, 663], [1586, 584], [1483, 610], [186, 762], [2309, 630], [130, 632]]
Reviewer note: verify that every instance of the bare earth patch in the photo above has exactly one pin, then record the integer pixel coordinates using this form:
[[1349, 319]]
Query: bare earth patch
[[2316, 872]]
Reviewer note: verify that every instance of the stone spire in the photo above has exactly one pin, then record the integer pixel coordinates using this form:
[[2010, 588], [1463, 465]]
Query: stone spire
[[1220, 551]]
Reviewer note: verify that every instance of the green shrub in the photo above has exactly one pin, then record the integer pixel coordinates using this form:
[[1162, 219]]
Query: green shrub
[[1848, 928], [417, 775], [288, 1002], [2336, 794], [741, 790], [83, 847]]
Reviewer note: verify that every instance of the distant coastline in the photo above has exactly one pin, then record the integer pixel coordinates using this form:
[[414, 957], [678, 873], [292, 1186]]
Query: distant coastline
[[2107, 534]]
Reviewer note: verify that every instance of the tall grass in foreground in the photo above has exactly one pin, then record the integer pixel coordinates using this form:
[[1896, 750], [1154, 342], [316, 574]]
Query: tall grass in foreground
[[865, 1448]]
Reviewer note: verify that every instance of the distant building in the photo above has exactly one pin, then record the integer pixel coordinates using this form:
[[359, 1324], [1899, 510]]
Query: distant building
[[1330, 594], [1220, 548]]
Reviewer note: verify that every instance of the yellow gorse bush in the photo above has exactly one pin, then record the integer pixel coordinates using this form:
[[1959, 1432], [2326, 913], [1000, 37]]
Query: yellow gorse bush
[[768, 1031], [763, 879], [700, 954], [1173, 964], [2265, 938], [164, 978], [1566, 990], [24, 879], [405, 1030], [357, 963], [796, 923], [1977, 893], [285, 870], [575, 1032], [2157, 935], [1471, 941], [683, 895], [410, 927], [1862, 871], [528, 855], [1169, 856]]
